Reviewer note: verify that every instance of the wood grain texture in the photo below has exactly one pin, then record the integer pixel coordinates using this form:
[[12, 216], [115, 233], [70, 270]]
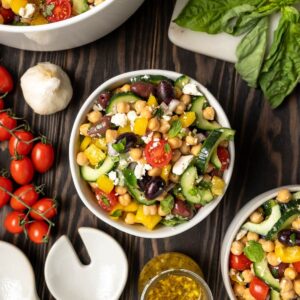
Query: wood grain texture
[[267, 141]]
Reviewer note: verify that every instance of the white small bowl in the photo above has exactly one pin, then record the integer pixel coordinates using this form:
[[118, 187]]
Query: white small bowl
[[235, 226], [83, 189]]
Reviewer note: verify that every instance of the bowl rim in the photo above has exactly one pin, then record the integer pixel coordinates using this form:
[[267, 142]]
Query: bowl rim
[[235, 226], [56, 25], [170, 231]]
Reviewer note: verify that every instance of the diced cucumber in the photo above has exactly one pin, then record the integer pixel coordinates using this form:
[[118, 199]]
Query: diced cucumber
[[154, 79], [201, 123], [190, 191], [267, 206], [274, 295], [263, 272], [181, 81], [79, 6], [91, 174], [285, 221], [264, 227], [296, 196], [210, 145], [215, 160], [128, 97]]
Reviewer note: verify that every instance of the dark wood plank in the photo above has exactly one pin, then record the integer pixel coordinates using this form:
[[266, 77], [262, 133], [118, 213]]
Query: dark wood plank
[[267, 142]]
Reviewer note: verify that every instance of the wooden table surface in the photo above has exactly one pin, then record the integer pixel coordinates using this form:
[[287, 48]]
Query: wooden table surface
[[267, 141]]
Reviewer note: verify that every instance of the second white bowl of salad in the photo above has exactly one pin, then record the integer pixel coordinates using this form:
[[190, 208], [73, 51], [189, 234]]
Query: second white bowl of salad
[[151, 153]]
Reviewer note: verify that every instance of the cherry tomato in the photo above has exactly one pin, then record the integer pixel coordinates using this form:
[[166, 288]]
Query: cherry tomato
[[7, 185], [106, 201], [6, 81], [258, 289], [239, 262], [7, 14], [1, 103], [158, 153], [62, 10], [16, 143], [223, 155], [296, 266], [22, 170], [45, 206], [38, 232], [12, 222], [42, 156], [27, 194], [7, 121]]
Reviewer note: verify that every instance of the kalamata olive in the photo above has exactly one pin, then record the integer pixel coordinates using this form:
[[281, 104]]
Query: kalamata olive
[[104, 98], [142, 183], [100, 128], [143, 89], [182, 209], [130, 140], [154, 187], [278, 271], [289, 237], [165, 91]]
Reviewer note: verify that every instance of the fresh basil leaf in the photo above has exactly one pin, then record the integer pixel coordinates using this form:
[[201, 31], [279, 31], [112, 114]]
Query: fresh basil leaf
[[173, 221], [254, 251], [159, 112], [117, 213], [105, 200], [281, 70], [120, 146], [130, 178], [251, 52], [175, 128], [167, 204]]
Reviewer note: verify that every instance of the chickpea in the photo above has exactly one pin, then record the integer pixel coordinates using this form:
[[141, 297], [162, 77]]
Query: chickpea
[[156, 135], [185, 149], [150, 210], [252, 236], [272, 259], [297, 286], [139, 106], [174, 118], [180, 108], [153, 124], [84, 129], [124, 199], [136, 153], [290, 273], [126, 87], [237, 248], [130, 219], [186, 99], [256, 217], [81, 159], [174, 178], [164, 126], [196, 149], [146, 112], [154, 172], [111, 135], [178, 92], [286, 285], [146, 210], [123, 107], [288, 295], [121, 190], [176, 155], [209, 113], [175, 143], [142, 161], [244, 240], [190, 140], [284, 196], [94, 116], [161, 212], [247, 295], [268, 246], [239, 289], [247, 275], [296, 224]]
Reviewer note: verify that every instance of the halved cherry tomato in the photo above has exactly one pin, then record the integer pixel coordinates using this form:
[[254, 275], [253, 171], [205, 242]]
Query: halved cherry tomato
[[106, 201], [239, 262], [19, 144], [22, 170], [6, 81], [258, 289], [158, 153], [27, 194], [6, 184], [1, 103], [223, 155], [38, 231], [7, 14], [62, 10], [13, 222], [45, 206], [296, 266], [7, 122], [42, 156]]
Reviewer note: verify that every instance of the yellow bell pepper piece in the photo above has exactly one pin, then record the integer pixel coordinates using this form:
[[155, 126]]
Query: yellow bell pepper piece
[[152, 101], [217, 186], [15, 5], [94, 154], [100, 143], [165, 172], [187, 119], [287, 254], [148, 221], [85, 143], [39, 20], [6, 4], [140, 126], [132, 207], [124, 129], [105, 184]]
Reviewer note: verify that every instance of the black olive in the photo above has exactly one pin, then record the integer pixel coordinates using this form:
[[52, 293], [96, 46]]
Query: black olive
[[154, 187], [131, 140], [289, 237], [278, 271], [100, 128], [181, 208], [142, 183], [104, 98], [143, 89], [165, 91]]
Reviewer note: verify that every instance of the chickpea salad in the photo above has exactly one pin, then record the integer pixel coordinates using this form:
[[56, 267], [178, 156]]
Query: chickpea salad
[[153, 152], [265, 256]]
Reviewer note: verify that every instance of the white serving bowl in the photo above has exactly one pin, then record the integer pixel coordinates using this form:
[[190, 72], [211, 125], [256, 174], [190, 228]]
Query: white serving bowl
[[235, 226], [73, 32], [83, 189]]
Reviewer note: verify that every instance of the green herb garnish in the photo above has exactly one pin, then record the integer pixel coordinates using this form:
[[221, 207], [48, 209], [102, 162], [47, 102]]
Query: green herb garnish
[[167, 148], [120, 146], [254, 251], [159, 112], [167, 204], [105, 200], [175, 220], [117, 213], [175, 129]]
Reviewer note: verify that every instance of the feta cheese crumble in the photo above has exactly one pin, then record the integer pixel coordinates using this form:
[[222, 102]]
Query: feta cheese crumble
[[181, 164], [119, 119], [140, 170], [191, 89], [113, 176], [27, 11]]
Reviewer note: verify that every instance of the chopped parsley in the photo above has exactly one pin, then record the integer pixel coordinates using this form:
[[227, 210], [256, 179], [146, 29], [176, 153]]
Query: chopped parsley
[[117, 213], [120, 146], [105, 201], [175, 129], [167, 148], [159, 112], [48, 10]]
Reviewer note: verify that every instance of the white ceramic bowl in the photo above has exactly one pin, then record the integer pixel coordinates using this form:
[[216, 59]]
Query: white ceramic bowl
[[73, 32], [235, 226], [87, 195]]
